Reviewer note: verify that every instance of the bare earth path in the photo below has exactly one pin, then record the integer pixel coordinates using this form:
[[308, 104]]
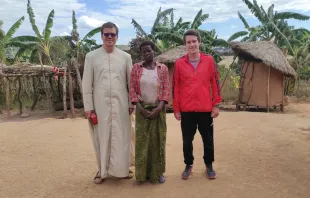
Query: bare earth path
[[257, 155]]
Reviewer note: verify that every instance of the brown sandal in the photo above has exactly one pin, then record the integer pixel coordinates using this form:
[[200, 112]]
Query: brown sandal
[[98, 179]]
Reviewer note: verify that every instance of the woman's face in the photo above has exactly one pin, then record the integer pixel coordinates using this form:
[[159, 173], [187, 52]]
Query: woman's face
[[147, 53]]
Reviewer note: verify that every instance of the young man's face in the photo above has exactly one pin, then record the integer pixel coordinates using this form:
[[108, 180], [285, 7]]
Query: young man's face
[[192, 44], [109, 37]]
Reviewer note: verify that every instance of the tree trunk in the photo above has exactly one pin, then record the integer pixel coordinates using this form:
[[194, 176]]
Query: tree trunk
[[71, 91], [64, 96]]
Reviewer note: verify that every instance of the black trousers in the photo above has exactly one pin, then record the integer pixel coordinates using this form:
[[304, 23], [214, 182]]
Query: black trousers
[[189, 123]]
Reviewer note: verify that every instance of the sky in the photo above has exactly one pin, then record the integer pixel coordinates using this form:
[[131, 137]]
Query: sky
[[93, 13]]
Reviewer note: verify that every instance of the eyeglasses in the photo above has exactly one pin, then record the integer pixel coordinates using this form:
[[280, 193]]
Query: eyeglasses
[[109, 34]]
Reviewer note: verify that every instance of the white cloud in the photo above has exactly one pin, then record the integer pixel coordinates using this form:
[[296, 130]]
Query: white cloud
[[90, 21], [123, 11]]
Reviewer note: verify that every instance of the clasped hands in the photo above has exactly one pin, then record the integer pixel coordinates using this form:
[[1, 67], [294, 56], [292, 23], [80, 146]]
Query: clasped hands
[[150, 114]]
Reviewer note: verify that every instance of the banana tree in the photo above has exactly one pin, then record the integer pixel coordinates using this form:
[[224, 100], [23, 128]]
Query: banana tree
[[160, 21], [272, 26], [86, 44], [5, 38], [40, 44]]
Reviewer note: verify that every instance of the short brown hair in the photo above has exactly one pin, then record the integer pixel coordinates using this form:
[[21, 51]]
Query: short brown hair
[[109, 25], [191, 33]]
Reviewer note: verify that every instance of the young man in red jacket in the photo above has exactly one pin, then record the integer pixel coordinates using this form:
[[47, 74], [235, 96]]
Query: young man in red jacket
[[195, 75]]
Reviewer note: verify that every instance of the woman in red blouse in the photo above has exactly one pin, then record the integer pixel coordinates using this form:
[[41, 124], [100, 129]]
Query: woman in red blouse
[[149, 91]]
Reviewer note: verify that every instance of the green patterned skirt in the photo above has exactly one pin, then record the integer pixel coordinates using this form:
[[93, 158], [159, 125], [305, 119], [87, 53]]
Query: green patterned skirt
[[150, 146]]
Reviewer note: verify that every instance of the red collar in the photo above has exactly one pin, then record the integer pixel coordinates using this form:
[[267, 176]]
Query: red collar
[[201, 56]]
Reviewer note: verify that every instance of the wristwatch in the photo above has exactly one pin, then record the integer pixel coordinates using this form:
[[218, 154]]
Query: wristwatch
[[217, 105]]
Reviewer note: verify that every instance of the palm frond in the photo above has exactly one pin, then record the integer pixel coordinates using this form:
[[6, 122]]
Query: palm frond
[[254, 9], [245, 23], [33, 55], [138, 28], [167, 36], [90, 42], [74, 22], [32, 20], [160, 16], [49, 24], [283, 37], [199, 13], [199, 19], [16, 44], [74, 33], [25, 39], [60, 39], [237, 35], [220, 42], [291, 15], [172, 20], [270, 11], [92, 33], [13, 29], [162, 29]]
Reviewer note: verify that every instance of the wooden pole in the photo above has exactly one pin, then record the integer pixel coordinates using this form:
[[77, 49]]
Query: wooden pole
[[268, 88], [283, 84], [2, 88], [35, 95], [7, 95], [76, 67], [18, 96], [71, 91], [64, 96]]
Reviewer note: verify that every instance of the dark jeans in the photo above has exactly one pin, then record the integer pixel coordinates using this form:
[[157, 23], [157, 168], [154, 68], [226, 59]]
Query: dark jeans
[[189, 123]]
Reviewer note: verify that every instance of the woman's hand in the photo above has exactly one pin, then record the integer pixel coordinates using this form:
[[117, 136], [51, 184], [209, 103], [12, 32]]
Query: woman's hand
[[154, 113], [157, 110], [144, 112]]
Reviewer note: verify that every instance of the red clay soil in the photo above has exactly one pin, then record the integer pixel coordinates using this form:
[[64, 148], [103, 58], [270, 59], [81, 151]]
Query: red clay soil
[[257, 155]]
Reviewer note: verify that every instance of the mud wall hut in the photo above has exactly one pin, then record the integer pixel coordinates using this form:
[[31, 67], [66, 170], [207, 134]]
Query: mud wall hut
[[263, 74]]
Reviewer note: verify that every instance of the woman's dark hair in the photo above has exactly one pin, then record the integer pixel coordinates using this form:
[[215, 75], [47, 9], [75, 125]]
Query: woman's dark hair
[[144, 43]]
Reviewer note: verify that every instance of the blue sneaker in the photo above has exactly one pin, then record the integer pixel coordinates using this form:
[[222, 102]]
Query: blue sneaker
[[162, 179], [187, 172], [211, 174]]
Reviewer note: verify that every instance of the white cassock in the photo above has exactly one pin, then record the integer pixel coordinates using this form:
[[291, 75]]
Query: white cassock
[[105, 87]]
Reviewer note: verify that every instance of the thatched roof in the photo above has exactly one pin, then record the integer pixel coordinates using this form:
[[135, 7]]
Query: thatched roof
[[265, 51], [171, 55]]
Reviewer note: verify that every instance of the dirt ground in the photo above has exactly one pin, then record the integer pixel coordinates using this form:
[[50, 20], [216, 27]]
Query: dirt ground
[[257, 154]]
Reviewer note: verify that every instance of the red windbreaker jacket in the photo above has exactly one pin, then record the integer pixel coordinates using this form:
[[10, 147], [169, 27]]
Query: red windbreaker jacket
[[192, 88]]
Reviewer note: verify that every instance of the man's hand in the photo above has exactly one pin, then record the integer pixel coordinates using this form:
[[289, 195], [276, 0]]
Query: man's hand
[[215, 112], [131, 110], [87, 114], [177, 116]]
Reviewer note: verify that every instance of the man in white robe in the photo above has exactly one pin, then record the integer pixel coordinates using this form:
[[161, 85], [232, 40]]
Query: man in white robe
[[105, 87]]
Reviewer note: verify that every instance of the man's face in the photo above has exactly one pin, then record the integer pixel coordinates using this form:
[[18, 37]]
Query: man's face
[[192, 44], [109, 37]]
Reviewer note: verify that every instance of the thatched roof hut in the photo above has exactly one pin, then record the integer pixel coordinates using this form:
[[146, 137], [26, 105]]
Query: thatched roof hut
[[262, 75], [265, 51], [171, 55]]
